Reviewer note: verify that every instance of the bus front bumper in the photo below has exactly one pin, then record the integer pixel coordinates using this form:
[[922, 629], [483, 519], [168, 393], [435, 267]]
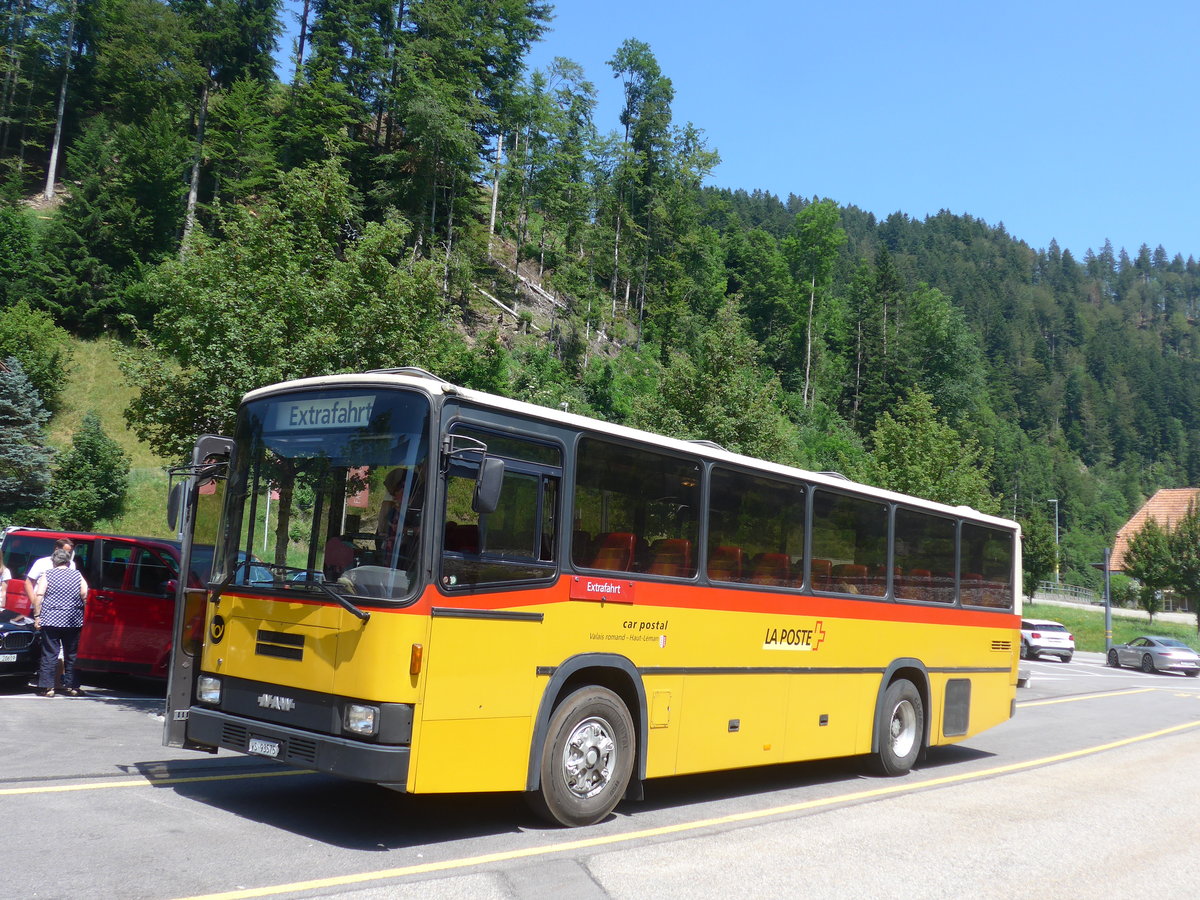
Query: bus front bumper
[[333, 755]]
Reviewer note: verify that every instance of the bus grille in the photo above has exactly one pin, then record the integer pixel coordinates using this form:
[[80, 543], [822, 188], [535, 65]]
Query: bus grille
[[280, 644], [292, 749], [1004, 646]]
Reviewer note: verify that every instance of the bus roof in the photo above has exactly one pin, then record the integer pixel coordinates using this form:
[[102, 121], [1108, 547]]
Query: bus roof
[[434, 386]]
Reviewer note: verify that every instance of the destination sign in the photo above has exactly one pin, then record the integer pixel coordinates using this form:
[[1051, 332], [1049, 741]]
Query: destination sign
[[338, 412]]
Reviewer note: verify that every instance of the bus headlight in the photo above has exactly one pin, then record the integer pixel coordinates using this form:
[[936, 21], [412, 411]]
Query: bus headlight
[[360, 718], [208, 689]]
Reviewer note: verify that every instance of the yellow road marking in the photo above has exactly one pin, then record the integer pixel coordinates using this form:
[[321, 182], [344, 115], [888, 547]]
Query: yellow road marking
[[683, 827], [144, 782]]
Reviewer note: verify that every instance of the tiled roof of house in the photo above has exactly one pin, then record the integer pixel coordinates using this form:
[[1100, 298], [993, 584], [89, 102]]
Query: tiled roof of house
[[1166, 507]]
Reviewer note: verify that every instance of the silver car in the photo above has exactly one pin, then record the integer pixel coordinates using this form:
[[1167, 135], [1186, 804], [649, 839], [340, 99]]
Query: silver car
[[1156, 654]]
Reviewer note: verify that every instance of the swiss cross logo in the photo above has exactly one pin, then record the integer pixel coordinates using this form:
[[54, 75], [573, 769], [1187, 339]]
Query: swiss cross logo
[[818, 635]]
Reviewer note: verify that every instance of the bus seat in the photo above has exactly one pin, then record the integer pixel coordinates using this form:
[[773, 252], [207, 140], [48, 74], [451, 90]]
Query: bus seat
[[726, 563], [941, 588], [850, 577], [971, 588], [671, 556], [916, 584], [878, 579], [615, 552], [822, 571], [339, 556], [771, 568]]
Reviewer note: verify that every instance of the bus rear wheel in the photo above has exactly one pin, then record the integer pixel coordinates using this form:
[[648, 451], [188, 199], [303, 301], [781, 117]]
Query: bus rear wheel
[[901, 727], [587, 758]]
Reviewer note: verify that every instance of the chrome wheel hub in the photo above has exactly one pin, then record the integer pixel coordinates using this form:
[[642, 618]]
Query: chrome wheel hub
[[589, 758], [903, 728]]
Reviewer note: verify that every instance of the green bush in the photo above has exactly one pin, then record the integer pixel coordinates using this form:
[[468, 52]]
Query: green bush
[[91, 479]]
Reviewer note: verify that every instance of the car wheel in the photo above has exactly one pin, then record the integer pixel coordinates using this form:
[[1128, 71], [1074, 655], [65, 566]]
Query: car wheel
[[587, 759], [1066, 658], [1147, 664], [1193, 673], [1113, 659], [1024, 650]]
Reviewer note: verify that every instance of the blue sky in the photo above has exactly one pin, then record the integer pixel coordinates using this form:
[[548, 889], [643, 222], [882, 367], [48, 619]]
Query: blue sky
[[1073, 121]]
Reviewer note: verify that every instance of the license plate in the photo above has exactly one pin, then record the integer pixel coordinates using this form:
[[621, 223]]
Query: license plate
[[260, 747], [8, 657]]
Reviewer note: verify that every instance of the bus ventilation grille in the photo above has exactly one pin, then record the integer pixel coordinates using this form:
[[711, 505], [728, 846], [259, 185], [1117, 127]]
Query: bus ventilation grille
[[302, 752], [234, 737], [1004, 646]]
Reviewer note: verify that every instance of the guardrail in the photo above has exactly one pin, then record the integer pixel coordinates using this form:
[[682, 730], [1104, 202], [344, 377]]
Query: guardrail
[[1057, 591]]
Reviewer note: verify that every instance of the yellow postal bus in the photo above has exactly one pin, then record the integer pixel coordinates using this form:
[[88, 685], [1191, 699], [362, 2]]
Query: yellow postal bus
[[468, 593]]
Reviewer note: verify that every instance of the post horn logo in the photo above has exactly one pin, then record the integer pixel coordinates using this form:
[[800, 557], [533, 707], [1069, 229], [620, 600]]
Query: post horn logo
[[216, 629]]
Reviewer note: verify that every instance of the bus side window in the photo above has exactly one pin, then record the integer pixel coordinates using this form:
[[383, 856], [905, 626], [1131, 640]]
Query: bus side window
[[518, 540], [642, 506], [850, 532]]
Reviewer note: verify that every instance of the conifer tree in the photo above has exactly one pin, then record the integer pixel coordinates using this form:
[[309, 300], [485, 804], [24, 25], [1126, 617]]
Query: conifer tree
[[24, 456]]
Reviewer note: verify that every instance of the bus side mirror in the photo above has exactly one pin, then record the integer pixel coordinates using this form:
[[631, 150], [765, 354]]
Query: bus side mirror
[[487, 485], [175, 504]]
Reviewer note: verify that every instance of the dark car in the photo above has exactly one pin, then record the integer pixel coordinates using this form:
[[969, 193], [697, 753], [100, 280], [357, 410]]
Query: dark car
[[19, 645]]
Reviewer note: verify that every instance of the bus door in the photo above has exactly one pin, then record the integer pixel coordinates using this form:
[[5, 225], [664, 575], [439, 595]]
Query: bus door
[[480, 659], [194, 508]]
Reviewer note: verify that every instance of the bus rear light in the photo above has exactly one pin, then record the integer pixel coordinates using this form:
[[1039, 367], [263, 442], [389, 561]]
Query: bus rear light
[[361, 719], [414, 659]]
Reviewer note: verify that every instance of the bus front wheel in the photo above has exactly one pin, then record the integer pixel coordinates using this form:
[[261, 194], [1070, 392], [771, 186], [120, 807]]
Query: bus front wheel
[[587, 758], [900, 728]]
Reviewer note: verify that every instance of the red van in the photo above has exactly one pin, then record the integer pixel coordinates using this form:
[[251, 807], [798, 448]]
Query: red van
[[131, 599]]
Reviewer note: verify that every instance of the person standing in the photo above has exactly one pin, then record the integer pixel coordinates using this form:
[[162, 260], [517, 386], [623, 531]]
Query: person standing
[[42, 565], [5, 577], [58, 614]]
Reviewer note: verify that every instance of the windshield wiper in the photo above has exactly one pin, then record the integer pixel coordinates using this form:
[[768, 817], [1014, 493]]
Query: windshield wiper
[[342, 600]]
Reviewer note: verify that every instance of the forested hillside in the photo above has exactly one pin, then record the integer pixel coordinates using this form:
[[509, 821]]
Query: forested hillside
[[161, 184]]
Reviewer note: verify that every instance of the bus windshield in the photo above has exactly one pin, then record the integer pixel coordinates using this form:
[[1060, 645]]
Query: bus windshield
[[326, 490]]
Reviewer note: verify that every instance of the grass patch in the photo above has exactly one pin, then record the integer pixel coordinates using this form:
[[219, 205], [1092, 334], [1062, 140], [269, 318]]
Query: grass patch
[[1088, 626], [95, 383]]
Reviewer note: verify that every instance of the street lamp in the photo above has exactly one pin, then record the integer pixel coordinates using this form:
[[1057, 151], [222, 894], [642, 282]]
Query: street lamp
[[1055, 502]]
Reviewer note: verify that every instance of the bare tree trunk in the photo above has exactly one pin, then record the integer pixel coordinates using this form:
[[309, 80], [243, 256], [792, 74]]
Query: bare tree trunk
[[812, 301], [52, 168], [8, 95], [449, 246], [616, 262], [300, 42], [189, 219], [495, 190], [394, 77]]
